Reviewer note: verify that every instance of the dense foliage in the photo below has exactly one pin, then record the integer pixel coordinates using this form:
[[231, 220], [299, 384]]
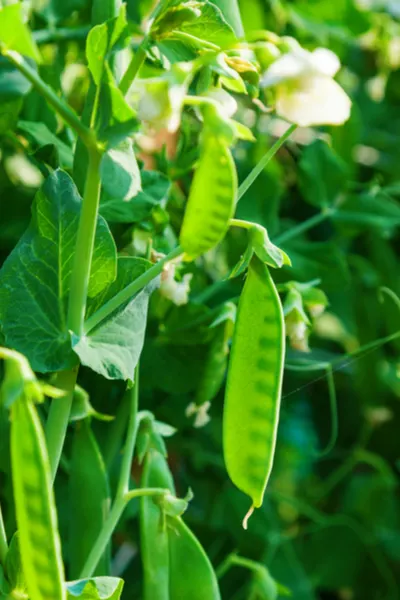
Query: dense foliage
[[176, 175]]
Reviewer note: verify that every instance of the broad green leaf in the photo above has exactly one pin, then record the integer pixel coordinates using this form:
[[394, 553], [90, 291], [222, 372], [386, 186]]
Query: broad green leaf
[[15, 34], [34, 280], [89, 495], [113, 348], [120, 175], [323, 174], [42, 135], [96, 588], [154, 192]]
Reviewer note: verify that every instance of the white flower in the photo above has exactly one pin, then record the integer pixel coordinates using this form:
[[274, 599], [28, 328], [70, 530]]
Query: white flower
[[316, 310], [297, 333], [176, 291], [306, 93], [202, 417]]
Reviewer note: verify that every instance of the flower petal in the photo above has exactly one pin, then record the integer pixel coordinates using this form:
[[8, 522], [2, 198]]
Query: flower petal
[[325, 62], [289, 66], [313, 100]]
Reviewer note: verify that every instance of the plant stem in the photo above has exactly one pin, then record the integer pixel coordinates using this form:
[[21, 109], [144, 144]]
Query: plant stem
[[305, 226], [241, 223], [125, 474], [133, 288], [64, 34], [258, 169], [66, 113], [84, 245], [3, 540], [58, 418], [134, 66]]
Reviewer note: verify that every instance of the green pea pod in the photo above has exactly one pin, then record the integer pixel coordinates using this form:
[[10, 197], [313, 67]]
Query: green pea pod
[[153, 531], [253, 392], [35, 505], [89, 500], [212, 198], [192, 576]]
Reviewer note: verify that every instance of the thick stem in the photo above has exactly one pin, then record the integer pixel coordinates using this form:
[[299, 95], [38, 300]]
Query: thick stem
[[134, 67], [3, 540], [57, 421], [84, 246], [258, 169], [66, 113], [133, 288]]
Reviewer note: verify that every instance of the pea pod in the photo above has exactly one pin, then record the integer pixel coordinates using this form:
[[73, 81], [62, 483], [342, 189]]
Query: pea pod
[[175, 565], [35, 505], [153, 532], [192, 575], [212, 198], [253, 392], [89, 500]]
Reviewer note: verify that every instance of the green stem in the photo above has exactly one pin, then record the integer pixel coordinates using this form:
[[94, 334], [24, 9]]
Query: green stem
[[3, 540], [84, 246], [110, 525], [241, 223], [305, 226], [258, 169], [133, 288], [125, 474], [58, 418], [134, 67], [66, 113], [64, 34]]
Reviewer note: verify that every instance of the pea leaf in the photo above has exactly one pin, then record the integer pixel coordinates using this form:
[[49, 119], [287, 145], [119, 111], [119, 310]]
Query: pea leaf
[[113, 348], [96, 588], [120, 173], [89, 499], [231, 13], [55, 11], [13, 87], [42, 135], [14, 34], [155, 189], [323, 174], [369, 211], [34, 280]]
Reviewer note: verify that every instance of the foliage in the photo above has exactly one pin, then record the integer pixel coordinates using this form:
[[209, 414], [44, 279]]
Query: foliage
[[186, 185]]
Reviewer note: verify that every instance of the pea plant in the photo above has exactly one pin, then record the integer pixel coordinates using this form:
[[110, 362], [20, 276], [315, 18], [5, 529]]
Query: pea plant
[[140, 291]]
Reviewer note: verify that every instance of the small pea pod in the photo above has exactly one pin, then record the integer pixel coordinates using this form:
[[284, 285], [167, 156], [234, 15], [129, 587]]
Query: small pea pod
[[153, 531], [212, 198], [35, 505], [253, 392], [192, 575], [89, 495]]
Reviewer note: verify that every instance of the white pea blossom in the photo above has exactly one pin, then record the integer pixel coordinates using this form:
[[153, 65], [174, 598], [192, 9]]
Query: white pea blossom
[[176, 291], [316, 310], [306, 93], [297, 333], [201, 413]]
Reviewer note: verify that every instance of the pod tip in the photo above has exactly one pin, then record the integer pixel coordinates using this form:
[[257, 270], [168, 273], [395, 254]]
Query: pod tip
[[247, 516]]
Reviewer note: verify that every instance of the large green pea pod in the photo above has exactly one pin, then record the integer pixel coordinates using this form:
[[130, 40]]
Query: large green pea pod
[[192, 575], [253, 392], [36, 515], [153, 530], [230, 10], [212, 198]]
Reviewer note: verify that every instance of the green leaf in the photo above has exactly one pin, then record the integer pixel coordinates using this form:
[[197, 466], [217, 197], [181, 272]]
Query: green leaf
[[4, 585], [13, 85], [42, 135], [323, 174], [231, 13], [120, 175], [14, 34], [113, 348], [104, 38], [55, 11], [89, 495], [202, 20], [155, 190], [34, 280], [369, 211], [96, 588], [9, 112], [115, 118]]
